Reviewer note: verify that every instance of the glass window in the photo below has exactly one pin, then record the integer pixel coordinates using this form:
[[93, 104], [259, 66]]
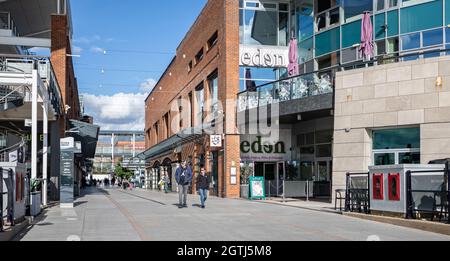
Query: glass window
[[447, 34], [410, 41], [393, 45], [351, 34], [324, 151], [408, 138], [380, 5], [355, 8], [334, 16], [380, 31], [328, 41], [393, 3], [409, 158], [214, 92], [433, 37], [431, 14], [381, 47], [305, 49], [382, 159], [324, 137], [392, 21], [305, 20], [260, 27], [283, 34]]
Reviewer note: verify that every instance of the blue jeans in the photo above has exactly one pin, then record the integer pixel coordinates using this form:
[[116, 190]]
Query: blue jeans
[[203, 196]]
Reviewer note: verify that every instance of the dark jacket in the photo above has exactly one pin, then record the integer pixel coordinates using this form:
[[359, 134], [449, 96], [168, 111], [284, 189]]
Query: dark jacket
[[203, 182], [187, 173]]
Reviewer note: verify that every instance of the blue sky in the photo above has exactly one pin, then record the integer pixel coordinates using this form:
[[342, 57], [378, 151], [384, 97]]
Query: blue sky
[[140, 38]]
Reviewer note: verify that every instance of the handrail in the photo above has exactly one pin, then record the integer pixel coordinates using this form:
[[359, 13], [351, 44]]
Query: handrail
[[376, 59]]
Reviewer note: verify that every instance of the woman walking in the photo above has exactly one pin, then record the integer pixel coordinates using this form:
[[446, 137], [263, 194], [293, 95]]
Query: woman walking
[[203, 183]]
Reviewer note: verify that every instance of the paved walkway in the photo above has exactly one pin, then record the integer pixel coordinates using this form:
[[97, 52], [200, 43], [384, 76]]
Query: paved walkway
[[117, 215]]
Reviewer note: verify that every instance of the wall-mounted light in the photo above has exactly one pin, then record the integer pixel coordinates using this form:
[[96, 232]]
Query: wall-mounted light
[[439, 82]]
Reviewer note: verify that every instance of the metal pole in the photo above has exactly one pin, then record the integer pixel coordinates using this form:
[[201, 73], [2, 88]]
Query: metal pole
[[34, 119], [347, 193], [45, 153], [409, 208], [307, 190], [447, 173], [368, 193], [12, 199]]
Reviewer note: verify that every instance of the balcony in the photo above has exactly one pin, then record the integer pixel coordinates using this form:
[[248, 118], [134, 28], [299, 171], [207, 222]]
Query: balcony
[[303, 93], [16, 68]]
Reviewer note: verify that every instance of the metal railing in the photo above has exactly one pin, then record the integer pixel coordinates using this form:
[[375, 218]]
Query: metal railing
[[431, 197], [357, 194], [292, 88], [24, 64], [7, 23]]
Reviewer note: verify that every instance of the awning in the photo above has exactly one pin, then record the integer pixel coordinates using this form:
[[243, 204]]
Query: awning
[[172, 143], [87, 134]]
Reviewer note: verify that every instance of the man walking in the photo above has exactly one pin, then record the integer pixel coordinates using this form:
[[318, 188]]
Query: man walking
[[183, 176], [203, 183]]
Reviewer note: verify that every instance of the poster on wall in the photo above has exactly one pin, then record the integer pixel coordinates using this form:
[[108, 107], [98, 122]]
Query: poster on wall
[[257, 188]]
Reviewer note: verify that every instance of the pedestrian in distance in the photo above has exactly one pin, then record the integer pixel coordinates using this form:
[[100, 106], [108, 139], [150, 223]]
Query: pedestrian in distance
[[203, 182], [166, 183], [183, 177]]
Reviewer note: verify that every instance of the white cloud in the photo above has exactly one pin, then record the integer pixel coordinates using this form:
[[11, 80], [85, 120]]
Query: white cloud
[[77, 49], [120, 111], [148, 85], [96, 49]]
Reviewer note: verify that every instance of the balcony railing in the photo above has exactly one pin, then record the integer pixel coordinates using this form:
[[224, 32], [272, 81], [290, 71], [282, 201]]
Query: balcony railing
[[293, 88], [24, 65], [7, 23]]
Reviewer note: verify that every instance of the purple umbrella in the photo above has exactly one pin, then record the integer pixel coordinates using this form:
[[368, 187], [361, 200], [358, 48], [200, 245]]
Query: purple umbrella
[[367, 47], [293, 68]]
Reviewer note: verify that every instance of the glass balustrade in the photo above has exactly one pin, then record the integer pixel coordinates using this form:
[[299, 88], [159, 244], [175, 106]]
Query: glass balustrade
[[300, 87]]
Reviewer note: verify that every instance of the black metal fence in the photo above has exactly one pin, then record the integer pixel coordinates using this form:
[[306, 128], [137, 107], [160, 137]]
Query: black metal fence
[[428, 194], [357, 195]]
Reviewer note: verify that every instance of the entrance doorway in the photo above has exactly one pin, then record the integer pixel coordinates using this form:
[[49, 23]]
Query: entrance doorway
[[320, 172], [274, 174]]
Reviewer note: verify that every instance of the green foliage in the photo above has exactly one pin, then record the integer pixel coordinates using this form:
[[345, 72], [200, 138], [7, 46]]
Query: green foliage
[[36, 185], [122, 173], [246, 173]]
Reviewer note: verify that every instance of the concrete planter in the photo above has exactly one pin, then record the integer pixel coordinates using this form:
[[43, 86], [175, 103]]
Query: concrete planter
[[245, 191], [35, 208]]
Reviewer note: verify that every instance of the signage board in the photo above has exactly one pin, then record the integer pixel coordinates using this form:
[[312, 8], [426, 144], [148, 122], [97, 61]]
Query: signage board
[[67, 169], [263, 56], [264, 149], [215, 141], [257, 188]]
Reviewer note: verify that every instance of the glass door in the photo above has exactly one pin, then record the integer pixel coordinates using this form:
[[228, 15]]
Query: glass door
[[270, 176], [322, 182]]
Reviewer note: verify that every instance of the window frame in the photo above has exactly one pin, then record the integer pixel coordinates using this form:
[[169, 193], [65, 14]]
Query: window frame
[[261, 7]]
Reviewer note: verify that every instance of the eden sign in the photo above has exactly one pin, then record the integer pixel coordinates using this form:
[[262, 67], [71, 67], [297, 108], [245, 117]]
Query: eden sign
[[263, 56], [257, 147]]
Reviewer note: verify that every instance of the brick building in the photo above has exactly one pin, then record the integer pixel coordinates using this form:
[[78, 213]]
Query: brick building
[[332, 118]]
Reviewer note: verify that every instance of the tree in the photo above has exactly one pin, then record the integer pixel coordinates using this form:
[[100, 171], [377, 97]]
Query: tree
[[122, 172]]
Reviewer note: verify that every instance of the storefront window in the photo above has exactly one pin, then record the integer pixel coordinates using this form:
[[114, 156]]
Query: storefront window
[[396, 146], [264, 24]]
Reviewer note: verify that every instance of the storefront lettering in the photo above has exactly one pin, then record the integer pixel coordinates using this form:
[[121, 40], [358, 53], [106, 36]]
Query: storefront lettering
[[263, 57], [258, 147]]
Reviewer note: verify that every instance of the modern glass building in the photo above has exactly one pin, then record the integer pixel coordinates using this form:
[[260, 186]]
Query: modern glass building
[[118, 147]]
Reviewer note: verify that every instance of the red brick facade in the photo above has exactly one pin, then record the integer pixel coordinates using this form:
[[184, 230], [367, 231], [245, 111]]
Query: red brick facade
[[63, 67], [221, 16]]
